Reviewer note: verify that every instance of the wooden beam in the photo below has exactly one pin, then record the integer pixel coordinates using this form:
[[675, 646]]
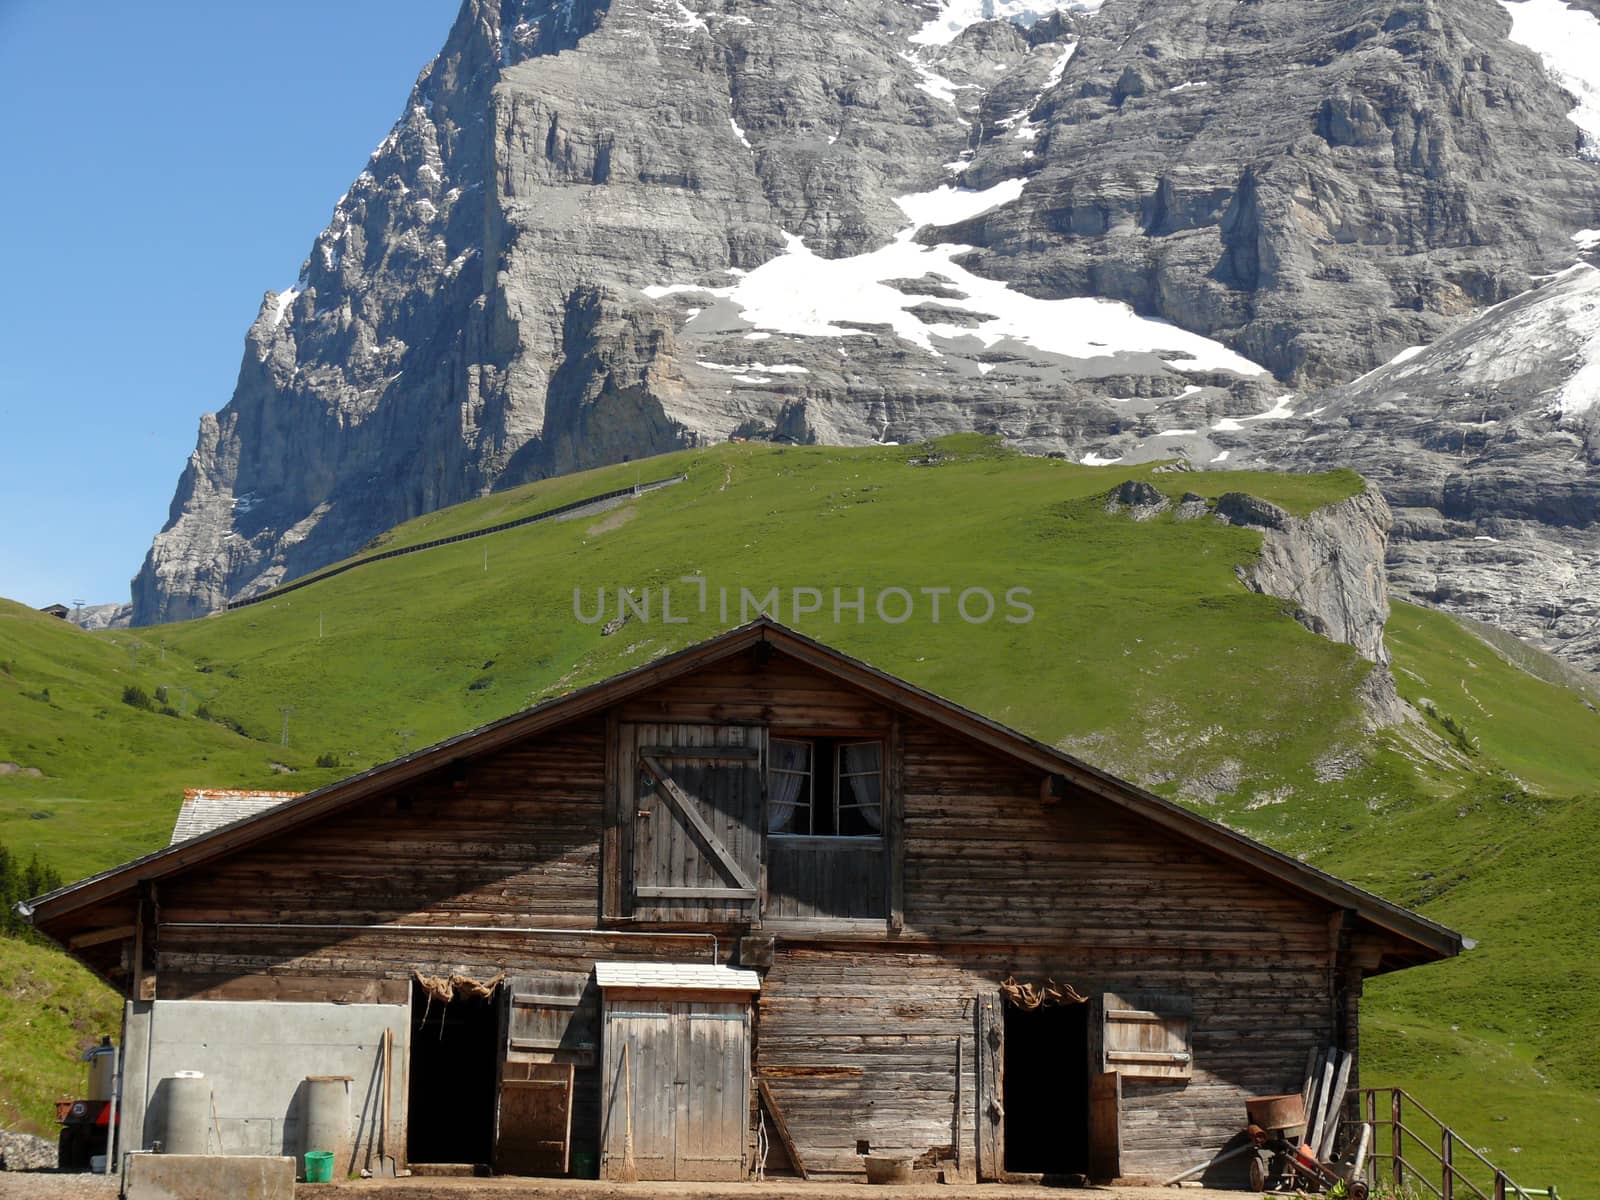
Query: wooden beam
[[100, 936], [781, 1124], [652, 891], [741, 753]]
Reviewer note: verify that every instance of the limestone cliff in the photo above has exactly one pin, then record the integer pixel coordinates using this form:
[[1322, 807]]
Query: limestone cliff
[[601, 230]]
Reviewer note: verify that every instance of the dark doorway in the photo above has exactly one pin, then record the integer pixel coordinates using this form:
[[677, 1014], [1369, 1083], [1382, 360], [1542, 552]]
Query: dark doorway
[[1046, 1089], [454, 1055]]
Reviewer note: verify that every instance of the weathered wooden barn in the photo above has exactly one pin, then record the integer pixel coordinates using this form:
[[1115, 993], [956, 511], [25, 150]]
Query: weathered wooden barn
[[753, 894]]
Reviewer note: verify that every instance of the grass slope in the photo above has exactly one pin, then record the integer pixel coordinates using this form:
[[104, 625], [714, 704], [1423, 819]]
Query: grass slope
[[51, 1009], [1144, 655]]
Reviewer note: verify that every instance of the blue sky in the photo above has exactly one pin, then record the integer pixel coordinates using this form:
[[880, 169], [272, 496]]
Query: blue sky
[[161, 165]]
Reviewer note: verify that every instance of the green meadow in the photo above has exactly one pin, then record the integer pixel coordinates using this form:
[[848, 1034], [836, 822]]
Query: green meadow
[[1144, 655]]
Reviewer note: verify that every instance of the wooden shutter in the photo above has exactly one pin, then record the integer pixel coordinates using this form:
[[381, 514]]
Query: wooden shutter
[[1146, 1035], [697, 794]]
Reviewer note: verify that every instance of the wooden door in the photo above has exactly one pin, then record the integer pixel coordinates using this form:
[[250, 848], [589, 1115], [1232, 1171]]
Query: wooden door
[[687, 1065], [713, 1091], [1105, 1126], [696, 800], [991, 1084], [550, 1025]]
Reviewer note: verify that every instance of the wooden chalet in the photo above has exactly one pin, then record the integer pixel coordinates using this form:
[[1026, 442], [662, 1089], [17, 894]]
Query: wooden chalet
[[765, 895]]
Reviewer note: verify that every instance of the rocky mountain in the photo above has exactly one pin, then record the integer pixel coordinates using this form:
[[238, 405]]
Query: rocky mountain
[[1113, 230]]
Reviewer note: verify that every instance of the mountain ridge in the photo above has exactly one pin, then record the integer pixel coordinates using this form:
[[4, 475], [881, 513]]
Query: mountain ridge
[[606, 230]]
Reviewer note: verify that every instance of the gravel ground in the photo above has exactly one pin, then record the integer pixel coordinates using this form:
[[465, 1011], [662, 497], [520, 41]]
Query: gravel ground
[[47, 1185]]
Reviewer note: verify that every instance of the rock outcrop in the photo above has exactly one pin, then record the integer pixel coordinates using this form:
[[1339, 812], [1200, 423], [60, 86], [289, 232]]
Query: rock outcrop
[[1487, 444], [1329, 564], [604, 229]]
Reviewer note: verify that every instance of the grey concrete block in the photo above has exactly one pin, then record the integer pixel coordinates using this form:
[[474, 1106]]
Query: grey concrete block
[[209, 1176]]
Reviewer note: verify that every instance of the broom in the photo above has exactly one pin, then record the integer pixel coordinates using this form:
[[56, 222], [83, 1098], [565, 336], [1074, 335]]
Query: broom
[[628, 1172]]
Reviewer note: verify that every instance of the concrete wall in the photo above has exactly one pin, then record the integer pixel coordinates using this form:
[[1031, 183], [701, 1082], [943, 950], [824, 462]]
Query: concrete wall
[[257, 1055]]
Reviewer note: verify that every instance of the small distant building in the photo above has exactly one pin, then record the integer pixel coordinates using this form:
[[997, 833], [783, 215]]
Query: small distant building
[[207, 809], [57, 610]]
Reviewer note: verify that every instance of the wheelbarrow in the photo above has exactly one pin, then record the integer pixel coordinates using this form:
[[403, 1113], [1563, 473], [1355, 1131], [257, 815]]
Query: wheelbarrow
[[1279, 1163]]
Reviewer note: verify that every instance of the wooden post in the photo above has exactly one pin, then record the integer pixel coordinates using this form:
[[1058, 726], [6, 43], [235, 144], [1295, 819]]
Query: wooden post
[[1399, 1148], [1500, 1186], [1447, 1178]]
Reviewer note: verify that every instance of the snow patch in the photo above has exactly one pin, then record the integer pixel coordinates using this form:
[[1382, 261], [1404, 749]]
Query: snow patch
[[1223, 457], [778, 369], [804, 295], [1587, 239], [955, 16], [285, 298], [739, 133], [1094, 460], [1568, 40], [1405, 355], [1187, 86], [936, 85], [946, 205]]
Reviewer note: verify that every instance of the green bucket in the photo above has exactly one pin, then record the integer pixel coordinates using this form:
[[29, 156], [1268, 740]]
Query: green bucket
[[585, 1164], [319, 1166]]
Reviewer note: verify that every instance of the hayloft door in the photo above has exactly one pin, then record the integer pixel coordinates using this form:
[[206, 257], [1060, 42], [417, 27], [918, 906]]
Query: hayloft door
[[696, 813]]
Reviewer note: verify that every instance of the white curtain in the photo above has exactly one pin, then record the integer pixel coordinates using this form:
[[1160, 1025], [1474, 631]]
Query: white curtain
[[790, 766], [861, 781]]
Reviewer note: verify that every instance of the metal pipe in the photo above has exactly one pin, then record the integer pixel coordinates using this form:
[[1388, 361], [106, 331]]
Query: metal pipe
[[116, 1099], [526, 929]]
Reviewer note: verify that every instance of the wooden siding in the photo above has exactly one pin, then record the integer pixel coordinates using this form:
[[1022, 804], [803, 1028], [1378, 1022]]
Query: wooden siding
[[1002, 884], [517, 835]]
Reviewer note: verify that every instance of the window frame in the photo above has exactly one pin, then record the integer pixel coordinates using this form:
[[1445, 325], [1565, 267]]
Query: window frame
[[837, 744]]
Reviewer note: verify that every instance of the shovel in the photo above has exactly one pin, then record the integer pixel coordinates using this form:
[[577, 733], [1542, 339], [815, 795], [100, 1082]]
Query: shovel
[[386, 1168]]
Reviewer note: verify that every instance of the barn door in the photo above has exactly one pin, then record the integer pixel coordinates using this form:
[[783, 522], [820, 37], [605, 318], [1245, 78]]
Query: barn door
[[685, 1067], [697, 803], [549, 1024], [712, 1050]]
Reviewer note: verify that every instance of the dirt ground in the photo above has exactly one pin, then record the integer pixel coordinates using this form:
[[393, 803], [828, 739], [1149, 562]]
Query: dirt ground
[[49, 1186]]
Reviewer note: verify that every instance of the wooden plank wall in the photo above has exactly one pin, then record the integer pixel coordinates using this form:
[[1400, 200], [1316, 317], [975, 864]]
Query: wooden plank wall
[[860, 1043]]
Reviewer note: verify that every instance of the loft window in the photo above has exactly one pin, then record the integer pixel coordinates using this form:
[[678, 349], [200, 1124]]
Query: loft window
[[825, 787]]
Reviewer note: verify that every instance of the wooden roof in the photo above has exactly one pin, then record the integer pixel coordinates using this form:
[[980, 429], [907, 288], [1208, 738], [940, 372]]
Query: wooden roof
[[1430, 940]]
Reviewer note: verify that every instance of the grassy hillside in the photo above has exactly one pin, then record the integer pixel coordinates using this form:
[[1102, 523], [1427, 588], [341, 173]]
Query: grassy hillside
[[1144, 655]]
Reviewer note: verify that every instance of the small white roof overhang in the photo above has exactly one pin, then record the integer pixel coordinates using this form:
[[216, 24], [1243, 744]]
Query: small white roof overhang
[[689, 977]]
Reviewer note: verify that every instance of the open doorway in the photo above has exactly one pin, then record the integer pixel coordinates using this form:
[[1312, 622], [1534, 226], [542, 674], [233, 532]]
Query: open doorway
[[454, 1056], [1046, 1089]]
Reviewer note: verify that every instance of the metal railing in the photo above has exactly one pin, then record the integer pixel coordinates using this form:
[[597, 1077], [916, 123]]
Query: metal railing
[[1409, 1134]]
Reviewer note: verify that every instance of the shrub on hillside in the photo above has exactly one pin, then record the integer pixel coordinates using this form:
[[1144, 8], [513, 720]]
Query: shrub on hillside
[[19, 882], [136, 697]]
